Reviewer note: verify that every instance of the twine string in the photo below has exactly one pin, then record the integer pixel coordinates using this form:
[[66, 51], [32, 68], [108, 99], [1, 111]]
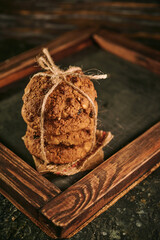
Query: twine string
[[57, 76]]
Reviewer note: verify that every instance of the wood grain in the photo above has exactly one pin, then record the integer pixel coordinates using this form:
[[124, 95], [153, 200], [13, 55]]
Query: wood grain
[[25, 187], [129, 50], [69, 5], [39, 22], [25, 63], [98, 188], [69, 233], [88, 12]]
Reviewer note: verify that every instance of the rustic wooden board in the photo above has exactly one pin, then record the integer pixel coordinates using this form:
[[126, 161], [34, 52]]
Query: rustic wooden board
[[20, 66], [41, 21], [101, 186], [24, 187], [107, 183], [129, 50]]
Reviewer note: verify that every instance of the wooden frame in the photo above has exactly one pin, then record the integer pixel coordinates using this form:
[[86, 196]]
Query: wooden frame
[[40, 199]]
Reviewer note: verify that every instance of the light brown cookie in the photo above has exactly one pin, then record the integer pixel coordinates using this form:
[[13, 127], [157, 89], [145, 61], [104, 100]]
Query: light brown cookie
[[92, 159], [66, 112], [61, 154], [72, 138], [57, 153], [63, 102], [65, 125]]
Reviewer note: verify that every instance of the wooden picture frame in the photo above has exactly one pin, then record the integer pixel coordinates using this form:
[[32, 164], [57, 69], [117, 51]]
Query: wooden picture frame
[[44, 203]]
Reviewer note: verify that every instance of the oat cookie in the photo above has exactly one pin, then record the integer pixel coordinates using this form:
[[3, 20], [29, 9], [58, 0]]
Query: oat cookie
[[57, 154], [60, 110], [72, 138]]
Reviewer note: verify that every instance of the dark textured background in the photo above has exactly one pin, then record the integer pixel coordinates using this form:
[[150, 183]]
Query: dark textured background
[[129, 102]]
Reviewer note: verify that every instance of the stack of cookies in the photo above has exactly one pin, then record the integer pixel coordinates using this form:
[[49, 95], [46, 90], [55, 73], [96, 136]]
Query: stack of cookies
[[69, 121]]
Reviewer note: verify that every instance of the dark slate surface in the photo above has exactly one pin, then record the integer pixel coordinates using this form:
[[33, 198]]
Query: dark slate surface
[[129, 103]]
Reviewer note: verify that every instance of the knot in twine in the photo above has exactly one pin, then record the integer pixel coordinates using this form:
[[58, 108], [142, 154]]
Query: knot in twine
[[57, 76]]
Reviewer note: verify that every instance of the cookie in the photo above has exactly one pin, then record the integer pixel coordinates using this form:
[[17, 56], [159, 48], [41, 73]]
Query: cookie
[[63, 102], [72, 138], [57, 154], [65, 125], [60, 154], [66, 109], [68, 117]]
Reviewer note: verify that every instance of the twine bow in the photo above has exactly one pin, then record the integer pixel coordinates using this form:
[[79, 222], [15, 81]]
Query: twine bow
[[57, 76]]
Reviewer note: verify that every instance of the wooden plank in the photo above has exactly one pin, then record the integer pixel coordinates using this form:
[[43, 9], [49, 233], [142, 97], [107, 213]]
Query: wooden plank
[[24, 180], [67, 231], [87, 13], [129, 50], [143, 34], [110, 18], [95, 13], [25, 187], [128, 4], [39, 34], [24, 64], [105, 183], [24, 7]]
